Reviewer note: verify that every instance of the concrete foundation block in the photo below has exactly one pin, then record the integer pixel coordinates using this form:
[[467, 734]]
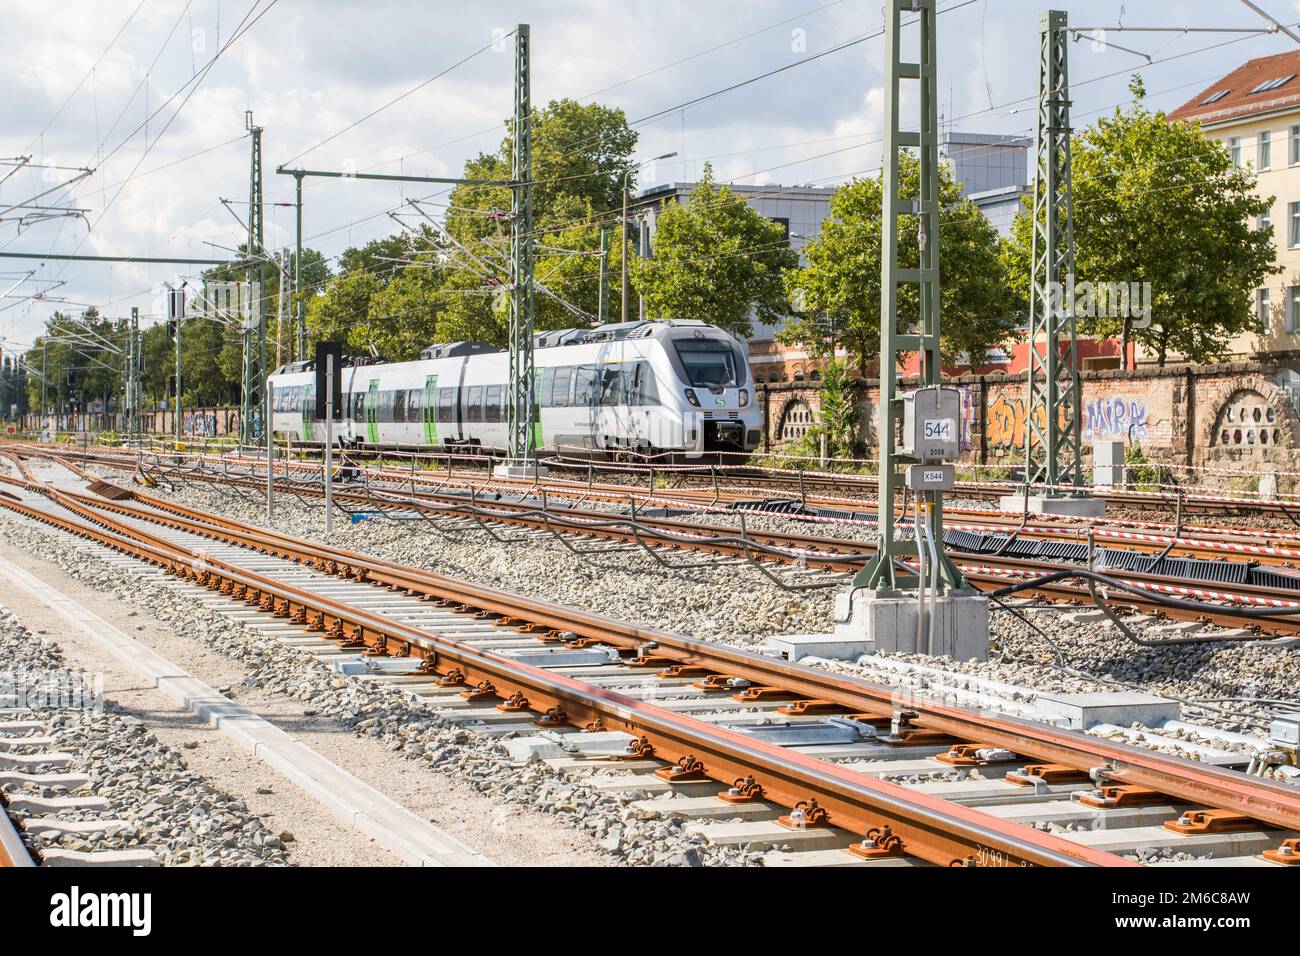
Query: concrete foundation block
[[1122, 708], [1070, 507], [527, 472], [888, 623], [795, 646]]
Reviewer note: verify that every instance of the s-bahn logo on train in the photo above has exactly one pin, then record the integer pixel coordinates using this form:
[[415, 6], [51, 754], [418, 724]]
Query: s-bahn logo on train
[[676, 390]]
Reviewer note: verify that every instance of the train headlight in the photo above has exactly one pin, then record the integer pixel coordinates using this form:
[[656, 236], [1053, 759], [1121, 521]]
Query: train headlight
[[692, 398], [744, 397]]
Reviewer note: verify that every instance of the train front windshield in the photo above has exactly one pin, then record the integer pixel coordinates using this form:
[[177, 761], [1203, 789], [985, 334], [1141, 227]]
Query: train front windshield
[[708, 363]]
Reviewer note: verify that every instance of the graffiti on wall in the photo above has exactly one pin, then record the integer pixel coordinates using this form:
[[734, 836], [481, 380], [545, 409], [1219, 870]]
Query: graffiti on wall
[[1115, 418], [1120, 418], [1008, 422]]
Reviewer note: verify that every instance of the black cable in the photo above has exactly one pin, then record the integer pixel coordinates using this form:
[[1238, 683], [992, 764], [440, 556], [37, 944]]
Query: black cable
[[1124, 586]]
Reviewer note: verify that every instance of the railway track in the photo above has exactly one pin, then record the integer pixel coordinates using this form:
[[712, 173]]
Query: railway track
[[734, 483], [41, 787], [820, 558], [708, 720]]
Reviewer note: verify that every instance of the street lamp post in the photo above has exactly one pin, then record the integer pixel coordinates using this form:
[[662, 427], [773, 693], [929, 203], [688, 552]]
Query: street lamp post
[[627, 175]]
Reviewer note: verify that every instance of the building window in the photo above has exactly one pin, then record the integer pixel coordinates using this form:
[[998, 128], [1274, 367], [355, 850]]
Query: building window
[[1289, 380], [1234, 148], [1293, 309], [1264, 149], [1294, 238], [1295, 145], [1263, 312], [1266, 219]]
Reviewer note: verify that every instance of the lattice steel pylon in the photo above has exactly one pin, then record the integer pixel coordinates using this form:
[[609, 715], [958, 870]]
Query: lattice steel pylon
[[1052, 442], [881, 573], [252, 392], [521, 413]]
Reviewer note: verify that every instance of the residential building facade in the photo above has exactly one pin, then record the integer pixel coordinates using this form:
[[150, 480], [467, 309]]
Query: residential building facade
[[1255, 112]]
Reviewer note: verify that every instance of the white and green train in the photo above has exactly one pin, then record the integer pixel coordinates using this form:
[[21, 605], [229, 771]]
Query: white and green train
[[677, 388]]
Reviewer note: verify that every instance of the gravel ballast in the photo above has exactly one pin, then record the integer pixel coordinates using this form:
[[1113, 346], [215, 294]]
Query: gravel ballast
[[735, 604], [406, 726], [167, 808]]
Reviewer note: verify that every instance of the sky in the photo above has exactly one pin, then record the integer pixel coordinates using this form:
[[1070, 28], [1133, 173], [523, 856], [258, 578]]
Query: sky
[[151, 95]]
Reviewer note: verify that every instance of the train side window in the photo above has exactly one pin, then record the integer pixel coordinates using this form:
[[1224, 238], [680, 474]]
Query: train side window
[[492, 402], [545, 379], [474, 403], [399, 405], [584, 386], [385, 406], [560, 386], [646, 391], [359, 407], [446, 404]]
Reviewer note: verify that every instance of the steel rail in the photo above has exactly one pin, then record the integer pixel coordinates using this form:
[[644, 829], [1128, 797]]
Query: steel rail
[[930, 828], [1111, 530], [865, 485], [984, 571], [1205, 543], [1272, 803], [13, 852]]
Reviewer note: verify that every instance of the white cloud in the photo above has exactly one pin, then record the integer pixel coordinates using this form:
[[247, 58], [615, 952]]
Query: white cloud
[[308, 70]]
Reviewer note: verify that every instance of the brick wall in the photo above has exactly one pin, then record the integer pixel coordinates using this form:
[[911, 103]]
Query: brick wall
[[1186, 414]]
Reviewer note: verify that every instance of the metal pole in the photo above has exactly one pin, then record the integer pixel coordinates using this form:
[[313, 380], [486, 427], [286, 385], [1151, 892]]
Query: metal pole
[[44, 373], [880, 573], [270, 459], [642, 241], [132, 365], [1053, 443], [300, 351], [178, 307], [623, 298], [253, 387], [282, 287], [329, 443], [521, 411], [602, 295]]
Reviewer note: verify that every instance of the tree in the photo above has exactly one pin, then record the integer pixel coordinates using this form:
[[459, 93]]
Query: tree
[[1155, 201], [580, 155], [717, 260], [839, 289], [840, 412]]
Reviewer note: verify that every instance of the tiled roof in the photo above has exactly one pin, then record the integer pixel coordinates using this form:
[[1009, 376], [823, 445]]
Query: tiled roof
[[1232, 95]]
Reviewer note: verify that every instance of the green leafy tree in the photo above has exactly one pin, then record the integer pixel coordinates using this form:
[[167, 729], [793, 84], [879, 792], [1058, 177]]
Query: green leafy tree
[[838, 292], [1155, 201], [403, 292], [580, 155], [840, 412], [717, 260], [82, 359]]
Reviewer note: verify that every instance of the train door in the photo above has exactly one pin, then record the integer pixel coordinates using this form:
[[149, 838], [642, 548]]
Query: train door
[[372, 412], [639, 380], [429, 410], [613, 412]]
